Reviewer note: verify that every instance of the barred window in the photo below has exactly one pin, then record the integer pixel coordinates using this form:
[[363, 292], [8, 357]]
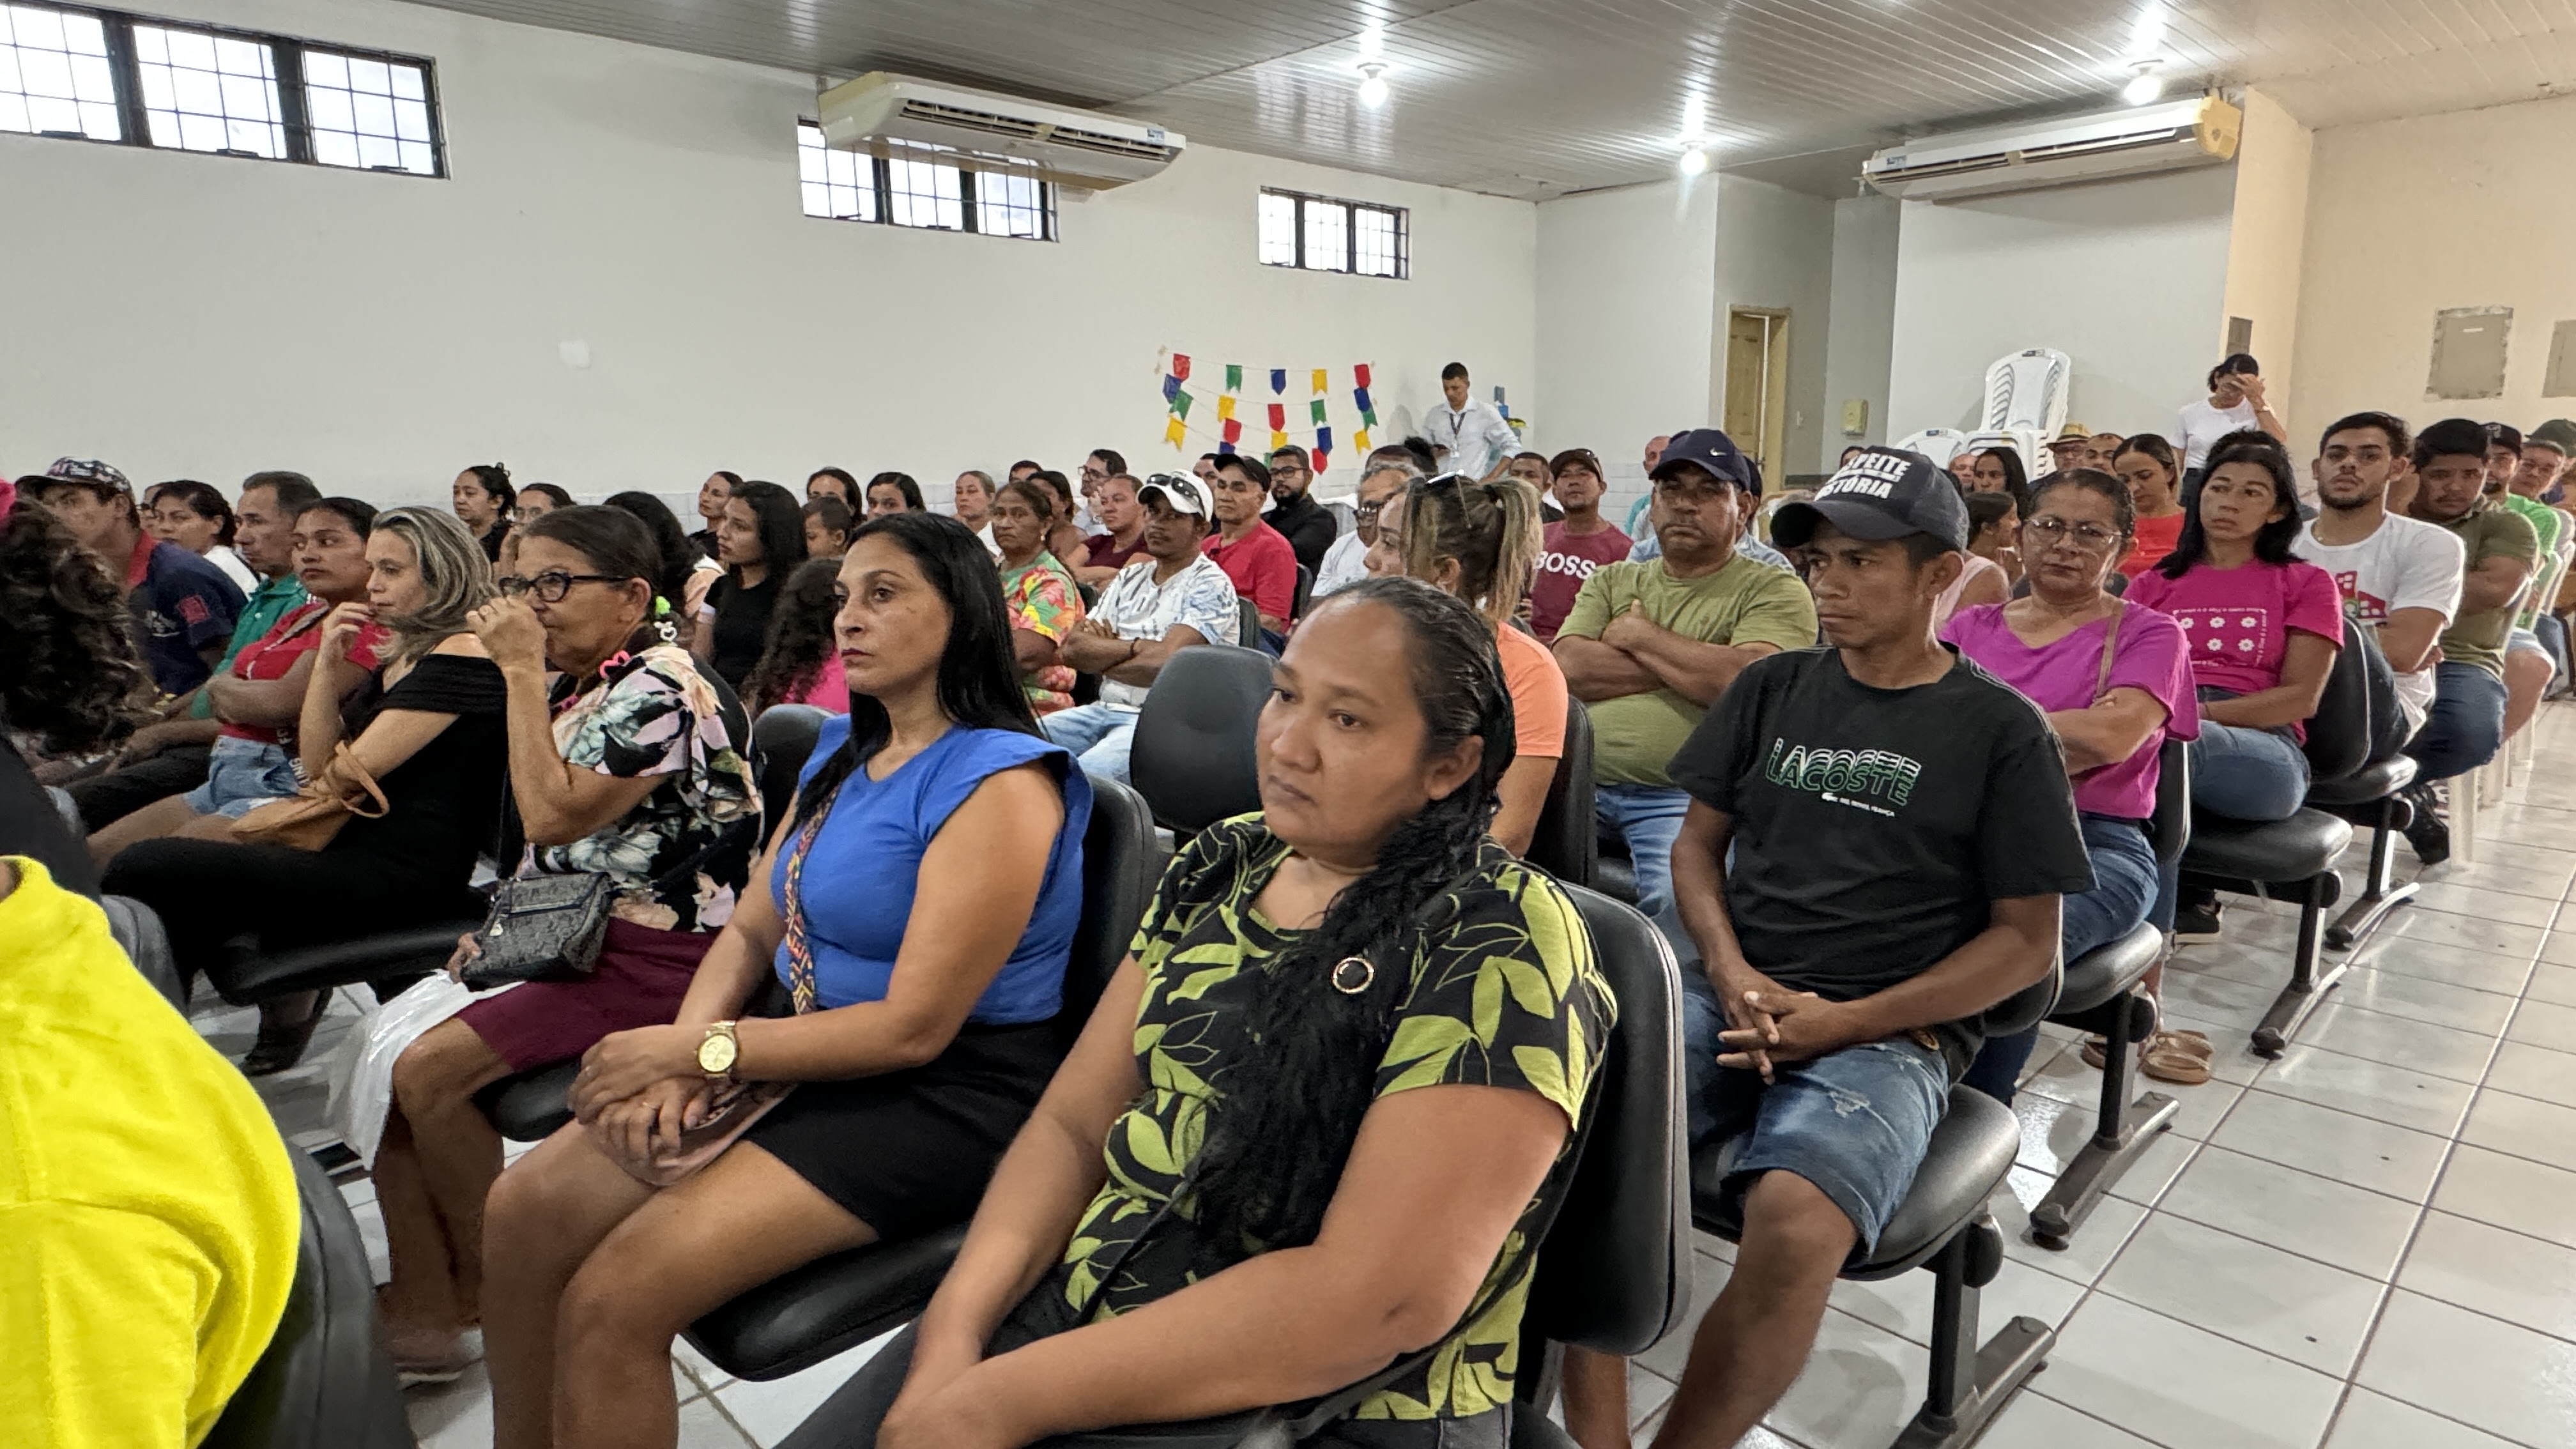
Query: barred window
[[1323, 234], [923, 186]]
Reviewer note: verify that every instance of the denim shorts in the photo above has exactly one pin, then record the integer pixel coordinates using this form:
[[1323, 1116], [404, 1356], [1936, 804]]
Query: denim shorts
[[240, 774], [2524, 639], [1855, 1123]]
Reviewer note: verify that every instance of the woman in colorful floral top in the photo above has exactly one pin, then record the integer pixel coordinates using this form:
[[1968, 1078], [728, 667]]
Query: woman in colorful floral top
[[1044, 600], [630, 764], [1337, 1082]]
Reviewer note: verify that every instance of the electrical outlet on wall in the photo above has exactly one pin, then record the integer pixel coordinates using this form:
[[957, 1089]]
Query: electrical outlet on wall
[[1856, 418]]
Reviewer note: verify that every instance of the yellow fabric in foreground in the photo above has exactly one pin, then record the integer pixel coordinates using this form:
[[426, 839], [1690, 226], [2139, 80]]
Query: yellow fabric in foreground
[[148, 1216]]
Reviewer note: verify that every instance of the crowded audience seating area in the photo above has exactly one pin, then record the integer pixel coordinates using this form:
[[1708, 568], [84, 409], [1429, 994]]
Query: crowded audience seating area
[[682, 981]]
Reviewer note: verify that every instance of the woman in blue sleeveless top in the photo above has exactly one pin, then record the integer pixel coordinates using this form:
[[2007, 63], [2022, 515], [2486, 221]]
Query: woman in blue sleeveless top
[[922, 901]]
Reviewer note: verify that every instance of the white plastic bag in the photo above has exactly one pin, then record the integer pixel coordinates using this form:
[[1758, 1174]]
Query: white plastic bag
[[362, 1080]]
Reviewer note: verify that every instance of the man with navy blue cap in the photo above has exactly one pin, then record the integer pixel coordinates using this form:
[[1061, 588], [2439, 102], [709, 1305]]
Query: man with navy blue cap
[[1901, 830], [1650, 645]]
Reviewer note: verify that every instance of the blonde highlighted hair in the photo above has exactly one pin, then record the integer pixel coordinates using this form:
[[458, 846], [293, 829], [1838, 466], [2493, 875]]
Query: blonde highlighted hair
[[1491, 529], [452, 568]]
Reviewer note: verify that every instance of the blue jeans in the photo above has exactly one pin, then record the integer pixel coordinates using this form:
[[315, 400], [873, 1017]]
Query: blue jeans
[[2465, 725], [1649, 818], [1854, 1122], [1098, 735], [2125, 890], [241, 774], [2243, 774]]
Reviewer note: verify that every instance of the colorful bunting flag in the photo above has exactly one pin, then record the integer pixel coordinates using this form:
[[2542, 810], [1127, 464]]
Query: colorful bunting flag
[[1322, 381], [1181, 366], [1323, 445], [1181, 405], [1278, 440], [1278, 379], [1175, 430], [1317, 409], [1278, 416], [1171, 386], [1178, 399], [1360, 374], [1234, 377], [1233, 432], [1225, 406], [1360, 440]]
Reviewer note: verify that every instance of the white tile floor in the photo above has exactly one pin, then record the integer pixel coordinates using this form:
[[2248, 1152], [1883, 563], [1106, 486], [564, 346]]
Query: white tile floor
[[2367, 1244]]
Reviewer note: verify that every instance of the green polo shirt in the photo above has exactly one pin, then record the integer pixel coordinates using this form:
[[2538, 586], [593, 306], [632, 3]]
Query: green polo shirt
[[267, 604], [2546, 522], [2485, 531]]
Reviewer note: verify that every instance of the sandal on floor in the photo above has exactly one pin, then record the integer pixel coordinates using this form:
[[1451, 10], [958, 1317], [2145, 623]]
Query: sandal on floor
[[2097, 1051], [2172, 1056], [417, 1364]]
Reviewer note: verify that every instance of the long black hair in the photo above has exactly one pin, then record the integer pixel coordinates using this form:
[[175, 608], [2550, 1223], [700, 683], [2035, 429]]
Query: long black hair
[[903, 484], [679, 556], [2016, 477], [979, 678], [1284, 1127], [69, 673], [800, 638], [780, 521], [2272, 541]]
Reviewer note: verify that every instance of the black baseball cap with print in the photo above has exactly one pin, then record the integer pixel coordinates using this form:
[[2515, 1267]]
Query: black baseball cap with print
[[1712, 450], [1880, 494], [81, 470]]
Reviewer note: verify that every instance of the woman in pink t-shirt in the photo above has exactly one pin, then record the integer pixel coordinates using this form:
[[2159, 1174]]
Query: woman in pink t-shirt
[[2263, 629], [2116, 683]]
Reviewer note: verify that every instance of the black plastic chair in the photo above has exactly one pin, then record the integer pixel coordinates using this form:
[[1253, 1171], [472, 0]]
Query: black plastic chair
[[1192, 754], [323, 1382], [1943, 1226], [2295, 857], [809, 1314], [530, 1106], [1305, 592], [2101, 995], [2371, 797], [1613, 1272], [1566, 841], [1247, 623], [140, 934]]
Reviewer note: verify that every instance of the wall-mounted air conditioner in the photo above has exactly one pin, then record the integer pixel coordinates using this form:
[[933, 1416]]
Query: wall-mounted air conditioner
[[2025, 157], [881, 114]]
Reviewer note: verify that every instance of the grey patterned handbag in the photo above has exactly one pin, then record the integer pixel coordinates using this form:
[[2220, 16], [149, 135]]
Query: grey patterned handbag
[[542, 928]]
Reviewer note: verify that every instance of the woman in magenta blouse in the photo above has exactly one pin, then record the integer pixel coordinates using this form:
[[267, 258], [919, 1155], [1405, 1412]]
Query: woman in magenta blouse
[[2116, 684]]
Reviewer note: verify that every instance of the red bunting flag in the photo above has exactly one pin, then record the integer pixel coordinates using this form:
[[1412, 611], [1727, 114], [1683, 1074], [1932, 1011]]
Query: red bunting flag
[[1359, 374], [1278, 417], [1181, 366]]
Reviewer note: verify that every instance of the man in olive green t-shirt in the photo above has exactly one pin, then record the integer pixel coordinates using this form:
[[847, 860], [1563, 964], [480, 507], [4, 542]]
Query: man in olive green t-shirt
[[2467, 719], [1648, 647]]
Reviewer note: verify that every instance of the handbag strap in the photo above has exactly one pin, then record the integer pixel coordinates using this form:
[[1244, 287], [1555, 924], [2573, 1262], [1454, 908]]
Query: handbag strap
[[346, 772], [800, 950], [2110, 644]]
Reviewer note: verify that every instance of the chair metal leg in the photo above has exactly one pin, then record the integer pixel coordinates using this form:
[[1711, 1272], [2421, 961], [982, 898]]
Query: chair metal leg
[[1970, 1383], [2117, 1141], [2308, 985], [2381, 893]]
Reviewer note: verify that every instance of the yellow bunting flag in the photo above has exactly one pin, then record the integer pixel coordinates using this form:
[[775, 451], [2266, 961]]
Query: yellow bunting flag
[[1224, 406], [1360, 439], [1278, 440], [1174, 431], [1320, 376]]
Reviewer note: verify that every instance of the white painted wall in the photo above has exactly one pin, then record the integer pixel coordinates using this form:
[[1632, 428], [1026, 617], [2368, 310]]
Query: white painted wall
[[2405, 218], [1626, 291], [186, 314], [1775, 248], [1861, 348], [2268, 237], [2128, 277]]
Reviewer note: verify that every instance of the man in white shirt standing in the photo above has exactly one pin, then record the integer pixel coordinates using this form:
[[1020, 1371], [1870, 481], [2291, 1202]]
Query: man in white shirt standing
[[1346, 562], [1468, 436], [2397, 575]]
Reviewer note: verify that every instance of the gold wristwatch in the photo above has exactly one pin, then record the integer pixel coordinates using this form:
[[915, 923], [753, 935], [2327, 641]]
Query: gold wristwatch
[[719, 1051]]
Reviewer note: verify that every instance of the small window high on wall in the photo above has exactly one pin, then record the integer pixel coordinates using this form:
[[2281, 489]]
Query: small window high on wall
[[102, 75], [1323, 234], [922, 186]]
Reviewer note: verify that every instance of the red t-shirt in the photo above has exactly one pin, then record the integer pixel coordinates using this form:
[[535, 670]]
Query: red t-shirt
[[1566, 560], [1262, 565], [295, 634], [1104, 552], [2156, 538]]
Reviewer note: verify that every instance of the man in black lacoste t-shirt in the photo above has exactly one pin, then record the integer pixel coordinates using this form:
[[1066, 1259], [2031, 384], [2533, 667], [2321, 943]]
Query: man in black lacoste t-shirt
[[1902, 828]]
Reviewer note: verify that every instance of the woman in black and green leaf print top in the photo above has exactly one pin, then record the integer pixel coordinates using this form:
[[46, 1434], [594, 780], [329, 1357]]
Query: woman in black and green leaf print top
[[1337, 1080]]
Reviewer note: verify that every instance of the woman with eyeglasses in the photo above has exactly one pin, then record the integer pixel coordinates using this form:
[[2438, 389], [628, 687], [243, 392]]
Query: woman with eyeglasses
[[625, 762], [1479, 541], [2115, 681]]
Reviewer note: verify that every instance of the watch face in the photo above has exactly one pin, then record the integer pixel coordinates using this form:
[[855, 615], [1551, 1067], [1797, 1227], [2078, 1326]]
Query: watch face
[[716, 1053]]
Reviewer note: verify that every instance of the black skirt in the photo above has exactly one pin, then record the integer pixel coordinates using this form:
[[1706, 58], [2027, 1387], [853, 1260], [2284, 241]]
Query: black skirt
[[910, 1151]]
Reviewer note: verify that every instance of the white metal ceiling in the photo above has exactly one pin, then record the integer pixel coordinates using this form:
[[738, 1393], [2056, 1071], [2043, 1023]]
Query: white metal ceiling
[[1534, 98]]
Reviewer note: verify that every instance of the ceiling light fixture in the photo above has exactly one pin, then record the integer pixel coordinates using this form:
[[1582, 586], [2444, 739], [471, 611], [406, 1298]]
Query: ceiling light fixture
[[2146, 85], [1694, 160], [1373, 88]]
